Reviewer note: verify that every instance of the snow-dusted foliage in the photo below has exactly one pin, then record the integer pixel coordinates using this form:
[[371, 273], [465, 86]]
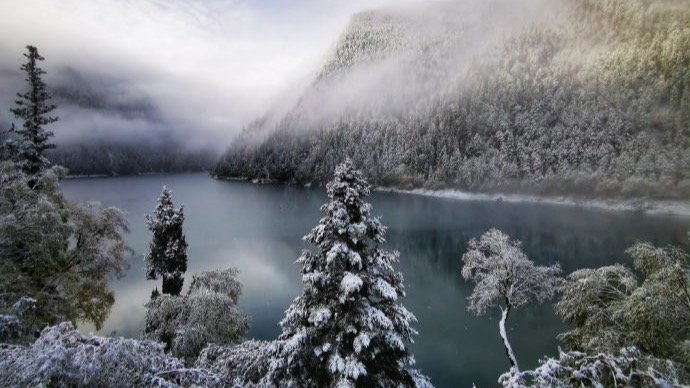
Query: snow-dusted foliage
[[347, 328], [64, 357], [244, 365], [18, 322], [586, 298], [608, 309], [505, 278], [627, 368], [222, 281], [207, 314], [167, 257], [56, 252], [33, 108]]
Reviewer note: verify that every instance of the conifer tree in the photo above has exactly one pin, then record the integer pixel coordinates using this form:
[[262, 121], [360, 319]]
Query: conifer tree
[[347, 328], [56, 253], [168, 249], [33, 108]]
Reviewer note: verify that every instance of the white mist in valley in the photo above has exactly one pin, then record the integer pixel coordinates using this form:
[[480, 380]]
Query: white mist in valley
[[195, 71]]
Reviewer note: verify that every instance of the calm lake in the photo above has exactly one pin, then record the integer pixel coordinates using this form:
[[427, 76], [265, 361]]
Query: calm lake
[[258, 229]]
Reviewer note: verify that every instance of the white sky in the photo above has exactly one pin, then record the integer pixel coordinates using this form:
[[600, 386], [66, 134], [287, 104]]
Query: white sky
[[213, 65]]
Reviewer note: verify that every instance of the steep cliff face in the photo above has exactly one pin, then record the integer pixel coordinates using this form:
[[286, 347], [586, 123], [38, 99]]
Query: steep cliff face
[[580, 97]]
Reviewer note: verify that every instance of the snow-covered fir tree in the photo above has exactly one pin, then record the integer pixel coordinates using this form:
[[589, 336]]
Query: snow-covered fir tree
[[167, 257], [33, 108], [505, 278], [348, 327]]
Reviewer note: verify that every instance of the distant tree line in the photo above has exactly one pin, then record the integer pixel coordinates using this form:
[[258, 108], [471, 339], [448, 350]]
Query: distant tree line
[[116, 157], [544, 113]]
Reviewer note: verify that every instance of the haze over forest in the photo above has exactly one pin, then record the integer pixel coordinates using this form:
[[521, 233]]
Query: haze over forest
[[550, 97], [164, 85], [576, 97]]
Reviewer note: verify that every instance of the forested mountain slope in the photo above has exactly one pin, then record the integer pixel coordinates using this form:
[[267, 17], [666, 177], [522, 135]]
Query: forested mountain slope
[[575, 97]]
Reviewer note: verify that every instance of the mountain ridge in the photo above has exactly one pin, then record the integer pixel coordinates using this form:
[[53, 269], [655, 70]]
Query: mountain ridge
[[594, 103]]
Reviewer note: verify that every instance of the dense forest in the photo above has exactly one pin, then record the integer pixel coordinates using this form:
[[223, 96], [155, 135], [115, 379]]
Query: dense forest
[[590, 99]]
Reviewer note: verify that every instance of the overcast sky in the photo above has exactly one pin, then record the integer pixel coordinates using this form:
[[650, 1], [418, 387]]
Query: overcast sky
[[210, 65]]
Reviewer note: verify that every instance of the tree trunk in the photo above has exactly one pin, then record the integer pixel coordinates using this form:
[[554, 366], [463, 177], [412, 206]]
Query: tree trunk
[[504, 335], [172, 284]]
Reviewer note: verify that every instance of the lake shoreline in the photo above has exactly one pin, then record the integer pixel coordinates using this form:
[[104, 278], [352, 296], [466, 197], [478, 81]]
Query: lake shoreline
[[670, 207], [141, 174], [648, 206]]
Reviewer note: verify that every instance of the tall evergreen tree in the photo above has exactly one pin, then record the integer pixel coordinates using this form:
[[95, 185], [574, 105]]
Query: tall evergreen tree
[[347, 328], [168, 249], [33, 108], [53, 252]]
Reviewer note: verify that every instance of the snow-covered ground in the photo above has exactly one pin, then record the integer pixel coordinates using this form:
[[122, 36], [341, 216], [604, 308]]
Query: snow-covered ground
[[680, 208]]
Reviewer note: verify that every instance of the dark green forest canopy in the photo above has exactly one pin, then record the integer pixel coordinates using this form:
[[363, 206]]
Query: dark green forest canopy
[[597, 104]]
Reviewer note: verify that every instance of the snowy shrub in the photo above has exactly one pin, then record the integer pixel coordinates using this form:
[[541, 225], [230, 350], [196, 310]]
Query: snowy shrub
[[348, 327], [64, 357], [629, 368], [56, 252], [609, 309], [245, 364], [206, 314], [19, 322], [223, 282], [586, 297], [10, 327]]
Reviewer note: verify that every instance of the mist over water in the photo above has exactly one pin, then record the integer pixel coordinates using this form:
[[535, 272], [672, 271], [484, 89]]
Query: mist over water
[[258, 229]]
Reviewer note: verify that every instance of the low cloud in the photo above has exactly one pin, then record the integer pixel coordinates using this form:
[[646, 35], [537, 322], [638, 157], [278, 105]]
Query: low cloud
[[201, 69]]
